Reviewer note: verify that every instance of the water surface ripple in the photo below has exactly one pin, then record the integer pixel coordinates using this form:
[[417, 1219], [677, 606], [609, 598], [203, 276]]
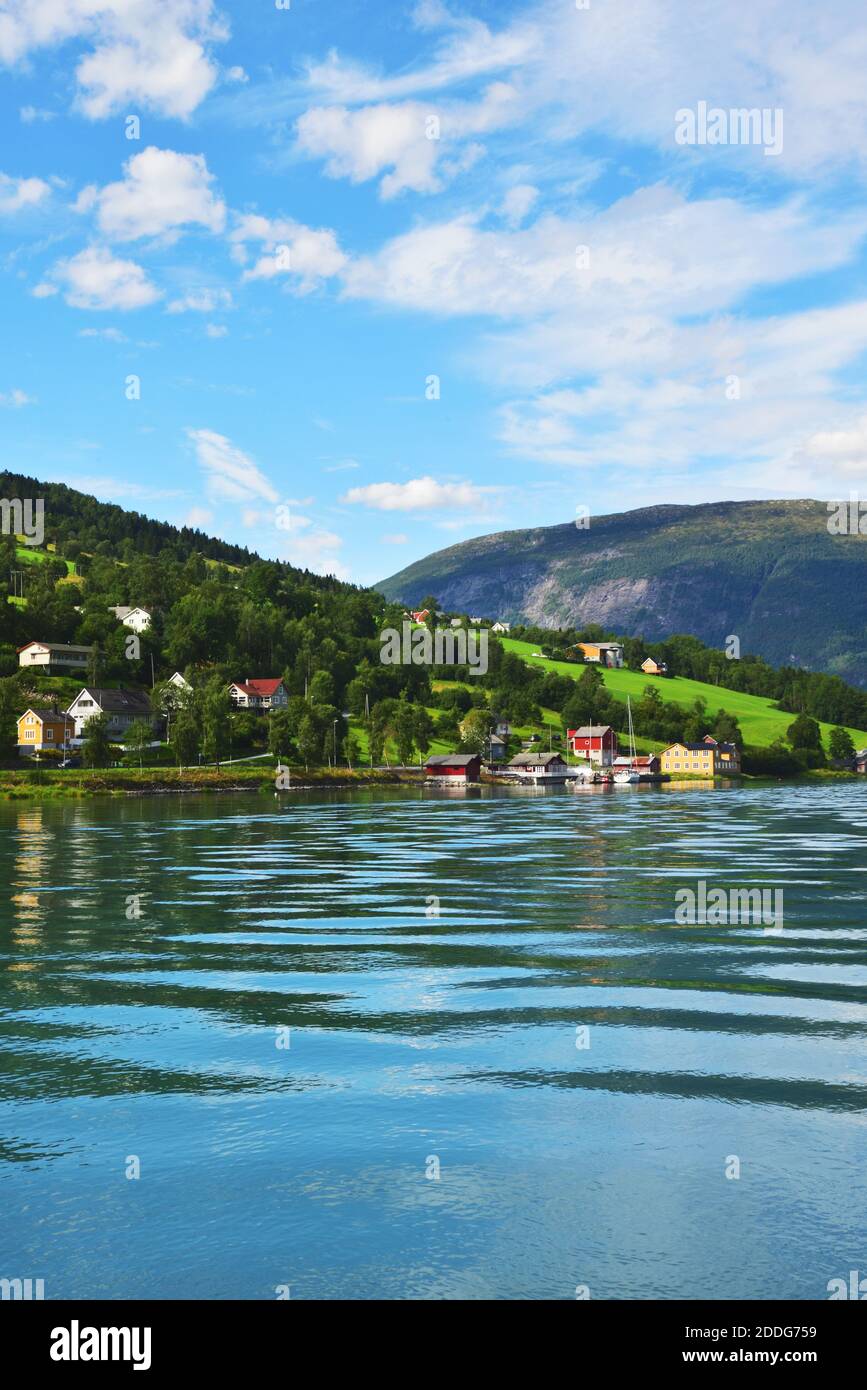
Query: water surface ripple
[[295, 1015]]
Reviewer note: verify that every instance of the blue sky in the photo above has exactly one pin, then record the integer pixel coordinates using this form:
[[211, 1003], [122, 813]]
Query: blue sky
[[328, 206]]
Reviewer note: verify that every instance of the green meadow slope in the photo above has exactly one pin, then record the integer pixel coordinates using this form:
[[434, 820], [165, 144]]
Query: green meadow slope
[[760, 723]]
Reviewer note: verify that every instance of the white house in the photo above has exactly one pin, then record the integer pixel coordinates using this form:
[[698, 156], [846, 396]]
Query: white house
[[137, 619], [179, 681], [54, 656], [123, 707], [258, 694], [502, 627]]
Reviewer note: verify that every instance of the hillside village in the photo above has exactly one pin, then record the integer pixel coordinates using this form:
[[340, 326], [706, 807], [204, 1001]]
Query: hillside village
[[129, 644]]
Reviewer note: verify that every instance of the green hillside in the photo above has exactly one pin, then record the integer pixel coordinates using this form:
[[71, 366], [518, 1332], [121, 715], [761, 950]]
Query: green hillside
[[760, 723]]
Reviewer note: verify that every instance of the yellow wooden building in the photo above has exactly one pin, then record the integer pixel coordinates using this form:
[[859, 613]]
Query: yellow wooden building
[[39, 729]]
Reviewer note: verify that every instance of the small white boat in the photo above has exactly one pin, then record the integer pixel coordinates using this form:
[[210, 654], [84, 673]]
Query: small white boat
[[626, 775]]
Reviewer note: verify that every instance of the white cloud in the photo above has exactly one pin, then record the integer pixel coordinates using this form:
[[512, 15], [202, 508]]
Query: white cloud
[[288, 248], [16, 194], [315, 550], [96, 279], [16, 398], [216, 330], [151, 53], [518, 202], [230, 474], [419, 147], [109, 335], [29, 114], [471, 51], [204, 300], [421, 494], [161, 192], [844, 449], [651, 250], [198, 518], [43, 290], [395, 538]]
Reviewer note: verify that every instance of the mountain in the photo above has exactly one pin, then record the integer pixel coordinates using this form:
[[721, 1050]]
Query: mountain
[[769, 572]]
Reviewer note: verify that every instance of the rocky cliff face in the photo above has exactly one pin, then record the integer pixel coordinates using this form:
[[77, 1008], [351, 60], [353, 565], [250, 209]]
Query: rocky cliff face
[[769, 572]]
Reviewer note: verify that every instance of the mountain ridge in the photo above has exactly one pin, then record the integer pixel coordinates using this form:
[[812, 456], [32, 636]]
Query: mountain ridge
[[767, 571]]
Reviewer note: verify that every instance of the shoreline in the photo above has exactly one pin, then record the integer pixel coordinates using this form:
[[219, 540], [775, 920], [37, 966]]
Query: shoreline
[[56, 785]]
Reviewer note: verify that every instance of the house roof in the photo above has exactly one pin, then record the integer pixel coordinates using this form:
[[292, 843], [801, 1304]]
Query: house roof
[[58, 646], [600, 645], [597, 730], [119, 611], [47, 714], [495, 738], [452, 760], [525, 759], [117, 701], [259, 687]]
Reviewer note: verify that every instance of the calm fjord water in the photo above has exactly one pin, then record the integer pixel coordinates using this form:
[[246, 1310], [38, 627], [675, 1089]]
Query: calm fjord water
[[416, 1037]]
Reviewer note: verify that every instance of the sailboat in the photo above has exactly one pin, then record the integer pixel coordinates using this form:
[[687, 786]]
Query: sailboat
[[625, 775]]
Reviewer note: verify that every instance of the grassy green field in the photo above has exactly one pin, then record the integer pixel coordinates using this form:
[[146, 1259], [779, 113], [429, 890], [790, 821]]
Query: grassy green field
[[38, 556], [760, 723]]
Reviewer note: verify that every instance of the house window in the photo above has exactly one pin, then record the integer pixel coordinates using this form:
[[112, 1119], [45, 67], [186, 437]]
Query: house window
[[49, 734]]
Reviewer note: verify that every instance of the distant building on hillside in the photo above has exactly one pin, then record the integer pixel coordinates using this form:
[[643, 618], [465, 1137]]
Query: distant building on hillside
[[122, 708], [54, 657], [137, 619], [654, 668], [497, 748], [258, 695], [501, 627], [604, 653]]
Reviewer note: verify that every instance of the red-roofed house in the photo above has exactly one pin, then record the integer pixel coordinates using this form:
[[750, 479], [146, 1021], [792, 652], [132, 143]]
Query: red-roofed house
[[258, 695]]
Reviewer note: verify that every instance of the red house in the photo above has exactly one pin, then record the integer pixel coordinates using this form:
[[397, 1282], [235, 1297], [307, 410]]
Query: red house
[[258, 694], [642, 762], [596, 742], [453, 768]]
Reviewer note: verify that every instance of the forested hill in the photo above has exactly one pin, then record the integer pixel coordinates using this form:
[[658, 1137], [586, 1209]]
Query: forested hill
[[769, 572]]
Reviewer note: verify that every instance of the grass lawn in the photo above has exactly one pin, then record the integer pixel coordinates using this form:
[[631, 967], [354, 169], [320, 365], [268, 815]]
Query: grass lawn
[[760, 722]]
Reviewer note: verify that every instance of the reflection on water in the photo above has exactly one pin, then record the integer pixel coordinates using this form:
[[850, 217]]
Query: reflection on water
[[286, 1010]]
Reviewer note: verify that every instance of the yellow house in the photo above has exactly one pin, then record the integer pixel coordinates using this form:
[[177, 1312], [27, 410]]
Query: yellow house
[[43, 728], [707, 759], [689, 757]]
